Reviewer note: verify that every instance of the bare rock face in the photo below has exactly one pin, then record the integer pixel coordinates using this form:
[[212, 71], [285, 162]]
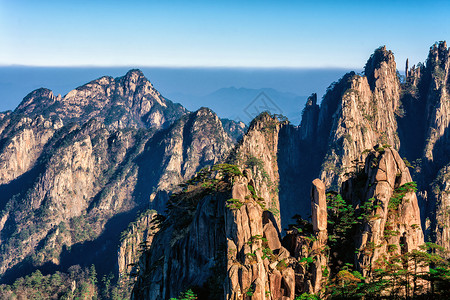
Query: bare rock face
[[22, 141], [386, 223], [240, 253], [135, 239], [319, 223], [357, 113], [185, 250], [57, 192], [196, 140], [363, 115], [257, 152], [437, 145], [425, 136], [257, 263], [308, 126], [440, 227], [391, 217], [309, 248], [318, 206], [236, 130]]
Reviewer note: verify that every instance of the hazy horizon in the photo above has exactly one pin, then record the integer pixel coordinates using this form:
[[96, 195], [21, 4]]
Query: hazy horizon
[[182, 85]]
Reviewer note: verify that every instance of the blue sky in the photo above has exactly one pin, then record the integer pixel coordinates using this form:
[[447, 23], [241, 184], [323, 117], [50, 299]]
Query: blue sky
[[305, 34]]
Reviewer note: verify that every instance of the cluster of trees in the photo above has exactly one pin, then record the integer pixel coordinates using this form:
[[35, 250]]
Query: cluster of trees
[[419, 274], [77, 283]]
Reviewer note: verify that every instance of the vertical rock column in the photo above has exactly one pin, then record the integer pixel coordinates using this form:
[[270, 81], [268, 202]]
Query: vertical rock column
[[319, 222], [258, 266]]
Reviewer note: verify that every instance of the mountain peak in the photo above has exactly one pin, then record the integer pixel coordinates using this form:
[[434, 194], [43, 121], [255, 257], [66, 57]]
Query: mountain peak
[[381, 58], [41, 97], [40, 92], [127, 101], [205, 111], [134, 74], [441, 45], [438, 54]]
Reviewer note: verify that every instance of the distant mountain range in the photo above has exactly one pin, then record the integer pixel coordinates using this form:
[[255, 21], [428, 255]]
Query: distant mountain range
[[244, 104], [175, 83]]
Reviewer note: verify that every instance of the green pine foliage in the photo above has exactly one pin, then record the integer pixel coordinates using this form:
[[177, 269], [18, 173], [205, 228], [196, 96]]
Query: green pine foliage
[[77, 284], [188, 295], [400, 193], [342, 225], [394, 280], [306, 296]]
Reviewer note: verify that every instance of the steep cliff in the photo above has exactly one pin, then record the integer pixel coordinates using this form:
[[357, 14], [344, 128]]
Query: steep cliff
[[307, 243], [437, 145], [390, 223], [439, 229], [69, 178], [425, 137], [357, 113], [257, 152], [22, 140], [133, 242], [372, 225], [365, 115], [219, 240]]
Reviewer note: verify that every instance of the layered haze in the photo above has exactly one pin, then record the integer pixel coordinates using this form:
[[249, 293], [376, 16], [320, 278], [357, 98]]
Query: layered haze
[[228, 91]]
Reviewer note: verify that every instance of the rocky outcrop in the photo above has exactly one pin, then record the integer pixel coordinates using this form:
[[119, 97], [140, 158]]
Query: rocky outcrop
[[257, 152], [357, 113], [73, 169], [258, 266], [184, 251], [377, 215], [437, 145], [365, 115], [241, 253], [174, 155], [319, 224], [308, 245], [86, 175], [318, 206], [385, 195]]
